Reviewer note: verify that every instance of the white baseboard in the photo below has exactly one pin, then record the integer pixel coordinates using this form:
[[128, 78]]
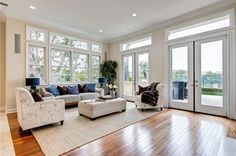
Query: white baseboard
[[8, 111]]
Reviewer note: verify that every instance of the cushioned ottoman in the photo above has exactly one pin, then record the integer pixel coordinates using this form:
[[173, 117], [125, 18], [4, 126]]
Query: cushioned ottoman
[[94, 108]]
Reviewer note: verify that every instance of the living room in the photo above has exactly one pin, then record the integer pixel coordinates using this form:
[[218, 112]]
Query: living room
[[180, 57]]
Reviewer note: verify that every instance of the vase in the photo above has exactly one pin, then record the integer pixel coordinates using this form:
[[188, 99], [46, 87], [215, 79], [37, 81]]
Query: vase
[[112, 93]]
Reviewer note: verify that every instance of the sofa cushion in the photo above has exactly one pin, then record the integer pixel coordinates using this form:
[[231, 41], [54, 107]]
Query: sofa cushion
[[53, 90], [37, 97], [69, 98], [63, 90], [83, 89], [91, 87], [73, 89]]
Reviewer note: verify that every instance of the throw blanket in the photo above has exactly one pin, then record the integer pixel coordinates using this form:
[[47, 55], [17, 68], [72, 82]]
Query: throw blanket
[[151, 95]]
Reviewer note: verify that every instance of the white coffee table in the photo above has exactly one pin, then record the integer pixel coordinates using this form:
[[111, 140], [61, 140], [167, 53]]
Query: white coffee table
[[96, 108]]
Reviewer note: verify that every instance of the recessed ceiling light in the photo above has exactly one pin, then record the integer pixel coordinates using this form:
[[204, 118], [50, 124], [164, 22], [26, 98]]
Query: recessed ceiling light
[[32, 7], [134, 14], [100, 30]]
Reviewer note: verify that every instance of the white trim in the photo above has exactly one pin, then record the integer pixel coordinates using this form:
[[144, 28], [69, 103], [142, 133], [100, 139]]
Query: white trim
[[9, 111], [229, 12], [29, 27]]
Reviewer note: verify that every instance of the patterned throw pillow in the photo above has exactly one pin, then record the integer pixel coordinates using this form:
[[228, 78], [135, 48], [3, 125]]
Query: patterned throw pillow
[[83, 89], [37, 97], [141, 89], [73, 89]]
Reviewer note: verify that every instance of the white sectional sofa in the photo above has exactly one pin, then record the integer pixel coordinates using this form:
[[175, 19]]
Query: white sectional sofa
[[74, 99]]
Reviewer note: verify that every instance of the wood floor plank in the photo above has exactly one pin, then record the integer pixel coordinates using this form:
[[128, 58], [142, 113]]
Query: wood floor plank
[[172, 132]]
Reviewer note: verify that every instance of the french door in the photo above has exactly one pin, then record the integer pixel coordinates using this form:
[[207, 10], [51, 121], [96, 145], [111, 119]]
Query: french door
[[199, 76], [135, 72]]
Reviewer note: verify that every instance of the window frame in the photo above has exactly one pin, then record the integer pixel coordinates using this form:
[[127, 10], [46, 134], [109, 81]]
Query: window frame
[[229, 12], [98, 44]]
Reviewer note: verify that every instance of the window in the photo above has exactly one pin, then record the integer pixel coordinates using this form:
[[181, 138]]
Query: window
[[80, 67], [68, 41], [66, 61], [35, 34], [136, 44], [36, 62], [96, 61], [219, 21], [60, 66], [96, 47]]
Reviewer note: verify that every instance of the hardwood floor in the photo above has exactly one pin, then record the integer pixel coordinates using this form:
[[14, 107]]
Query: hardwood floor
[[173, 132]]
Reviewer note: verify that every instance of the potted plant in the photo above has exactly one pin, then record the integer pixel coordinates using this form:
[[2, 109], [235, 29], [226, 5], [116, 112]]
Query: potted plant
[[108, 70]]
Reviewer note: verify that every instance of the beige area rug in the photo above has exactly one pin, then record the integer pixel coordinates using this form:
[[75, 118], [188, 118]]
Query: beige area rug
[[78, 130]]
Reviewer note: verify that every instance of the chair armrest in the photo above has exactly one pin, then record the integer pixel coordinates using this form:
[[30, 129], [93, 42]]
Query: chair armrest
[[49, 102]]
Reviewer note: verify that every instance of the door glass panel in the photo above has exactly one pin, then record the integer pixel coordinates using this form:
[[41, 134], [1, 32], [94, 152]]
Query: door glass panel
[[212, 73], [180, 74], [128, 75], [143, 69]]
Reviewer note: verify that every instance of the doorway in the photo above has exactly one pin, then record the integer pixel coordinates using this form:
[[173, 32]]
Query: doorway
[[135, 72], [198, 76]]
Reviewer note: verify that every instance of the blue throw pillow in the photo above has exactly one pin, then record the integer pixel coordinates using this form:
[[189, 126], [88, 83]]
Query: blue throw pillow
[[54, 90], [91, 87], [73, 89]]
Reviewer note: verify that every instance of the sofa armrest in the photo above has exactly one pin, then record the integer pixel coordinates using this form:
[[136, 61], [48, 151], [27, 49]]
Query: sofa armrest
[[100, 91]]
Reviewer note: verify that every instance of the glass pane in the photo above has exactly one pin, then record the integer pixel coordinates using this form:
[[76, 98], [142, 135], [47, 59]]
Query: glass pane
[[143, 69], [96, 62], [128, 75], [60, 58], [37, 71], [35, 34], [96, 47], [80, 60], [95, 75], [68, 41], [180, 74], [36, 55], [206, 26], [212, 73], [80, 74], [136, 44], [60, 75]]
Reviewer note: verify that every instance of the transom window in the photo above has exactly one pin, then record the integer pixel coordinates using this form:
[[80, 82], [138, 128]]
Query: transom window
[[68, 41], [219, 21], [35, 34], [96, 47], [136, 44]]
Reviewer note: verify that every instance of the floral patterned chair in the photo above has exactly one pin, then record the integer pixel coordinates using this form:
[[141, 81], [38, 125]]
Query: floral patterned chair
[[33, 114]]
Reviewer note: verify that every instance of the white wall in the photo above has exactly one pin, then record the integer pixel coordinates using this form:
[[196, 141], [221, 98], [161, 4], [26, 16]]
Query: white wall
[[16, 63], [158, 47]]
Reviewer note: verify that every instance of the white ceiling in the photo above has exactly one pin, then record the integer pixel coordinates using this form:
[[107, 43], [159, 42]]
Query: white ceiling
[[112, 16]]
